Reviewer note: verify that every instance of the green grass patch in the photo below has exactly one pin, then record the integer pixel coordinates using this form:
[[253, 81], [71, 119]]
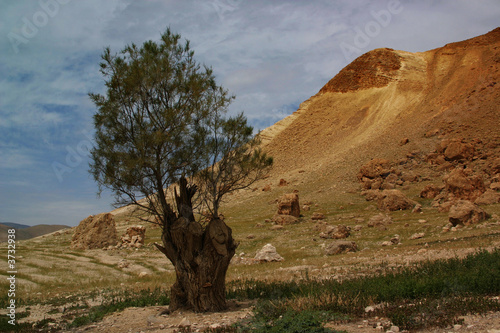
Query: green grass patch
[[431, 293], [120, 302]]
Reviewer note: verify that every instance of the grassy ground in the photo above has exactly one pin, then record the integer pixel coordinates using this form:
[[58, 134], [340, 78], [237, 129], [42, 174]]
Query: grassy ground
[[53, 279]]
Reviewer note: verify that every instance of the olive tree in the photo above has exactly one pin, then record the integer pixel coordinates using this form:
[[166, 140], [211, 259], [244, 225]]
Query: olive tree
[[161, 128]]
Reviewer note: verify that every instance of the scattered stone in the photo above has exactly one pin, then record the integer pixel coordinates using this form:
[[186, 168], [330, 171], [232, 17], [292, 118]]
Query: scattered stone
[[267, 254], [466, 213], [95, 232], [288, 204], [336, 232], [395, 239], [284, 219], [184, 322], [379, 220], [134, 237], [123, 263], [306, 208], [417, 235], [447, 227], [417, 209], [277, 227], [338, 247], [317, 216], [283, 182], [266, 188], [143, 274]]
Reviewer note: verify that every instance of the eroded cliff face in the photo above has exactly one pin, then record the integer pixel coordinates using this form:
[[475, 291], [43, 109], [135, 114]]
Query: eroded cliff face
[[385, 96]]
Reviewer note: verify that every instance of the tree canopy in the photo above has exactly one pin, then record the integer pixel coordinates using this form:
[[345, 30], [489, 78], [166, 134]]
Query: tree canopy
[[163, 118]]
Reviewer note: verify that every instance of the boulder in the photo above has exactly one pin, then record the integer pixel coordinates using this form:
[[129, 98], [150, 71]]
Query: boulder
[[134, 237], [338, 247], [267, 254], [377, 167], [392, 200], [456, 150], [95, 232], [284, 219], [389, 200], [489, 197], [431, 191], [463, 187], [288, 204], [336, 232], [372, 174], [466, 213]]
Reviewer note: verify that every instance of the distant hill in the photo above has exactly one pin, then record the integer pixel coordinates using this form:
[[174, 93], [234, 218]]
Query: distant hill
[[27, 232], [15, 225]]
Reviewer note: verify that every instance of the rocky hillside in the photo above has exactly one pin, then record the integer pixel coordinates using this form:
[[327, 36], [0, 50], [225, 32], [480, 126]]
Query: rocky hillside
[[391, 104]]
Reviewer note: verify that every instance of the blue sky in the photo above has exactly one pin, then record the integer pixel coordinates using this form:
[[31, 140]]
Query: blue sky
[[272, 55]]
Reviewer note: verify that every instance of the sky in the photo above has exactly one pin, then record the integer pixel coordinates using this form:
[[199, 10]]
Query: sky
[[272, 55]]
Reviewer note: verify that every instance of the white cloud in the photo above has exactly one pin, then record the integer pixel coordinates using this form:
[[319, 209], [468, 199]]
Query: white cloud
[[272, 54]]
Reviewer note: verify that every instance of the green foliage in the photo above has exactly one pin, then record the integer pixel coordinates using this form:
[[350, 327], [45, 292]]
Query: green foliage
[[138, 299], [232, 160], [146, 123], [288, 321], [296, 322], [162, 119], [429, 294]]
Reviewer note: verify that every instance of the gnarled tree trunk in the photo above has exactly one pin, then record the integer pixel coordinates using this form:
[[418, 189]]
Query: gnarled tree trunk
[[200, 256]]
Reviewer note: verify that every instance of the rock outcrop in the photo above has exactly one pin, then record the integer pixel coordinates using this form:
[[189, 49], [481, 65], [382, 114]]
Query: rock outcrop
[[134, 237], [461, 186], [288, 204], [466, 213], [95, 232]]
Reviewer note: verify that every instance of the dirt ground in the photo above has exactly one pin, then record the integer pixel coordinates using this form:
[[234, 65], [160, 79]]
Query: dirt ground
[[151, 319]]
